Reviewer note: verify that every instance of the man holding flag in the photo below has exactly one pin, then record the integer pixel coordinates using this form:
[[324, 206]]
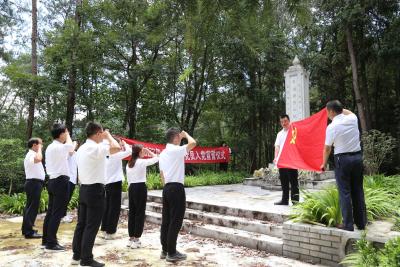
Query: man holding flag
[[344, 135], [286, 175]]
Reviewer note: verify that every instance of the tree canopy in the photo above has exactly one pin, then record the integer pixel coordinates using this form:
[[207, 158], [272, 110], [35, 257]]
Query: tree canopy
[[211, 67]]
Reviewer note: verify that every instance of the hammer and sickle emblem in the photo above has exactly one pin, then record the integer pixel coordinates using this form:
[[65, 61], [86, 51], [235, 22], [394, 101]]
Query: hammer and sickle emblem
[[294, 136]]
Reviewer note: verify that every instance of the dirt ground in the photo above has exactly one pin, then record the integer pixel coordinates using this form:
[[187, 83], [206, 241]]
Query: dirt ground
[[17, 252]]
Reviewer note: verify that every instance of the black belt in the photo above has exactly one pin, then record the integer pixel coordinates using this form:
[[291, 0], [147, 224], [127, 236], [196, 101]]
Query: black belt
[[36, 180], [349, 153], [93, 185], [174, 183]]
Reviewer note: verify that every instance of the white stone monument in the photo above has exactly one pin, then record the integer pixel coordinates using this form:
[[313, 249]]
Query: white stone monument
[[297, 92]]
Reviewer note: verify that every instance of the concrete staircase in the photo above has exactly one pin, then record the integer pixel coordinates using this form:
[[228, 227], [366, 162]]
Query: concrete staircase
[[242, 227]]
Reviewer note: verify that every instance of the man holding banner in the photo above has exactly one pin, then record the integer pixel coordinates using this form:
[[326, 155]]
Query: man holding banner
[[286, 175]]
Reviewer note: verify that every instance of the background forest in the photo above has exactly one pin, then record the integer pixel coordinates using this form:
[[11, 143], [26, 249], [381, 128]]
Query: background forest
[[211, 67]]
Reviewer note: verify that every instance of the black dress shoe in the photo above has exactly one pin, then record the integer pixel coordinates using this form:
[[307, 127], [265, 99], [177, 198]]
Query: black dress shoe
[[93, 264], [284, 203], [35, 235], [55, 248], [342, 227]]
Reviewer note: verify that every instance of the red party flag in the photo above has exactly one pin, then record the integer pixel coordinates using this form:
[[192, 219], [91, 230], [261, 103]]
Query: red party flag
[[304, 143]]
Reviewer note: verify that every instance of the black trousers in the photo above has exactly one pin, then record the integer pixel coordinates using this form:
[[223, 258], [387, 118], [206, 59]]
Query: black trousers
[[90, 211], [173, 212], [137, 209], [289, 176], [113, 207], [58, 202], [71, 188], [349, 179], [33, 189]]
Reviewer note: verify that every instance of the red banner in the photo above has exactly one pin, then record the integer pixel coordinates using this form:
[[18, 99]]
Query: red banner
[[304, 143], [197, 155]]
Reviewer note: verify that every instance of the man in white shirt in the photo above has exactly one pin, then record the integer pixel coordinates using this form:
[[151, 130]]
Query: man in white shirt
[[287, 176], [172, 172], [34, 173], [344, 135], [114, 177], [56, 157], [91, 160]]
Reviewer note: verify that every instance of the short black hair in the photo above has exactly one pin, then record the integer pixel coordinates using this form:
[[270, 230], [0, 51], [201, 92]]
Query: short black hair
[[34, 141], [171, 134], [335, 106], [284, 116], [93, 128], [57, 130]]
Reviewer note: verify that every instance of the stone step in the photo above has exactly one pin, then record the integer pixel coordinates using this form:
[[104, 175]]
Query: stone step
[[237, 237], [232, 211], [239, 223], [307, 184]]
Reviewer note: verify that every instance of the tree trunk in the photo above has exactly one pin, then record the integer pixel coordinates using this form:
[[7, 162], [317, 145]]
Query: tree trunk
[[359, 102], [32, 95], [72, 74]]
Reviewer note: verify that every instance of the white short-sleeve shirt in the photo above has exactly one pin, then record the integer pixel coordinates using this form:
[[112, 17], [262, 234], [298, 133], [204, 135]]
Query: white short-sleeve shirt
[[172, 163], [137, 174], [57, 155], [280, 140], [33, 170], [114, 170], [91, 161], [343, 134], [73, 168]]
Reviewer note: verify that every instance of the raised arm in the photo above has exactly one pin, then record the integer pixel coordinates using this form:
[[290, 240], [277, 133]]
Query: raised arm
[[191, 142], [114, 146], [39, 155]]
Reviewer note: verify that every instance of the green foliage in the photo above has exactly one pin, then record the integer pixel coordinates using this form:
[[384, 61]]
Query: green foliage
[[11, 163], [201, 179], [15, 203], [321, 207], [391, 253], [377, 147], [367, 255], [380, 203], [74, 202]]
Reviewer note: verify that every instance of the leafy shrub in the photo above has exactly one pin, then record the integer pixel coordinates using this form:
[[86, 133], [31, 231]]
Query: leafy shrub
[[377, 147], [391, 253], [320, 207], [380, 203], [11, 164], [15, 203], [369, 256], [366, 255]]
